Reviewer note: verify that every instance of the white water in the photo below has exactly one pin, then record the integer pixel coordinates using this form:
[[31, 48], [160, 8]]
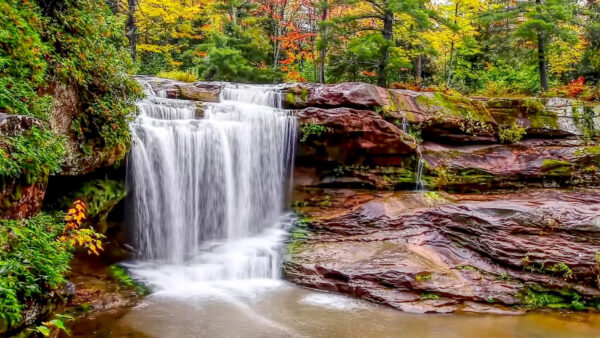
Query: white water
[[208, 193], [420, 185]]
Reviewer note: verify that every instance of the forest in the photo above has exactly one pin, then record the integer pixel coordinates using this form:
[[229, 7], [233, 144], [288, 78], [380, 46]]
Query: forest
[[437, 110], [472, 46]]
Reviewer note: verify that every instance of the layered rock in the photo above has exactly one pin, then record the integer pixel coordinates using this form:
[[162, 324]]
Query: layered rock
[[346, 135], [346, 94], [429, 252]]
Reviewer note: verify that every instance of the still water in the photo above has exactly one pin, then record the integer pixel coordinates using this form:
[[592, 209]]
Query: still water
[[267, 308]]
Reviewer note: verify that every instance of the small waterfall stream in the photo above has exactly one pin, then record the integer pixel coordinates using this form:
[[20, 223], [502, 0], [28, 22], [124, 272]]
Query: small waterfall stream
[[208, 193]]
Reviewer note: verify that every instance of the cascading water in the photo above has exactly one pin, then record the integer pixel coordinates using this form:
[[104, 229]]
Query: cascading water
[[208, 193], [420, 185]]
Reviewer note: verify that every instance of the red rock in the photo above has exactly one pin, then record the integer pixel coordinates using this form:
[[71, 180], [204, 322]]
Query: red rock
[[422, 252], [21, 200], [353, 136]]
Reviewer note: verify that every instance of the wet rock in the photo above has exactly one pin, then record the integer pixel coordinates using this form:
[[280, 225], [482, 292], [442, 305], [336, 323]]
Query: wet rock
[[347, 135], [430, 252]]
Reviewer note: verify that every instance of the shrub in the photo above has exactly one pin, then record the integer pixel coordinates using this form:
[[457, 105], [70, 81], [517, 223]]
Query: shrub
[[35, 254], [32, 262], [511, 134], [34, 155], [310, 130]]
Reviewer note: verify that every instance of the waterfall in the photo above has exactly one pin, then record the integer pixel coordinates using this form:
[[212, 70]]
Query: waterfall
[[209, 193], [420, 185]]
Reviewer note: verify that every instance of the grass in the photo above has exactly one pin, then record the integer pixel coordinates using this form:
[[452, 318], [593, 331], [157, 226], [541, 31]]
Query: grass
[[178, 75]]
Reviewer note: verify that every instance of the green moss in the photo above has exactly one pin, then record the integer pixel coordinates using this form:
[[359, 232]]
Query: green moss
[[100, 196], [423, 276], [430, 296], [511, 134], [591, 151], [553, 167], [290, 98], [121, 276], [504, 276], [561, 268], [466, 267], [536, 297], [298, 234], [304, 94], [583, 117], [533, 106], [447, 178]]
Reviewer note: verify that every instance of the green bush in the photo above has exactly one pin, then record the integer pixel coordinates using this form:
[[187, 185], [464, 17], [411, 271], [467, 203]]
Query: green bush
[[34, 155], [310, 130], [32, 262]]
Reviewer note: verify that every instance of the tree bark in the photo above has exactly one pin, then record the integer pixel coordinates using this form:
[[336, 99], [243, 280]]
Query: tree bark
[[388, 23], [131, 28], [542, 62], [419, 69]]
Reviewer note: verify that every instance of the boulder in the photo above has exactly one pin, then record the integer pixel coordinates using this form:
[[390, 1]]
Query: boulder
[[430, 252], [66, 108]]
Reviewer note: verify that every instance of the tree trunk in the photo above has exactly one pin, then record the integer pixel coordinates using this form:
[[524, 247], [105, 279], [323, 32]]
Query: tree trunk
[[419, 69], [323, 51], [131, 28], [449, 79], [542, 62], [388, 24]]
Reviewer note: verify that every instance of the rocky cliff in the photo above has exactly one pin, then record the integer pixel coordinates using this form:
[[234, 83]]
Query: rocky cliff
[[506, 219]]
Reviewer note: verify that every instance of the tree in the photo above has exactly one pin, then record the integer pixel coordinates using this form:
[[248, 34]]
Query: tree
[[373, 21], [590, 63], [534, 22]]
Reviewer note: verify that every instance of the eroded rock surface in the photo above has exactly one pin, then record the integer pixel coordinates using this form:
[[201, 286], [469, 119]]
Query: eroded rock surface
[[346, 135], [436, 252]]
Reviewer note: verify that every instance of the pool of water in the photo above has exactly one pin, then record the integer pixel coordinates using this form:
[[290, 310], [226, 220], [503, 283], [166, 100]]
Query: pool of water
[[270, 308]]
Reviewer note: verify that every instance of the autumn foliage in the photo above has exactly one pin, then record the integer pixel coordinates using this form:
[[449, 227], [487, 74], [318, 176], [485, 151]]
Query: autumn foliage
[[576, 87], [78, 236]]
